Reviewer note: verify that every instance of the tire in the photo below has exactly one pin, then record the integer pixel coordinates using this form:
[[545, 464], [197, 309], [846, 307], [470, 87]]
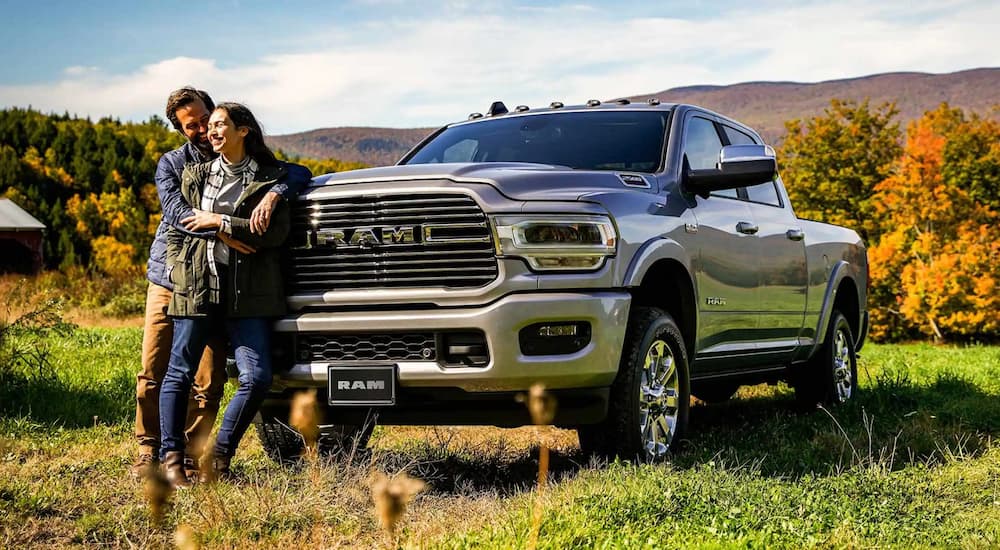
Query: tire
[[831, 376], [650, 397], [715, 392], [285, 445]]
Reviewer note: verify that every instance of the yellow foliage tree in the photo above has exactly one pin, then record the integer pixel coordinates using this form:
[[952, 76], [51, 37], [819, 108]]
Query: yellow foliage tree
[[936, 264], [114, 258]]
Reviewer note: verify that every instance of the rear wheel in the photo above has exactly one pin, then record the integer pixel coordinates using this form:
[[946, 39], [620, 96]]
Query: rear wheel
[[648, 408], [831, 376]]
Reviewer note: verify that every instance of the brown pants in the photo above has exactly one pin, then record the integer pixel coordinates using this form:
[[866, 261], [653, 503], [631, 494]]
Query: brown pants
[[209, 380]]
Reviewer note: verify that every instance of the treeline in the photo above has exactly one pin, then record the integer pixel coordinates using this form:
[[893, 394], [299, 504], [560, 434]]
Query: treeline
[[926, 202], [91, 184]]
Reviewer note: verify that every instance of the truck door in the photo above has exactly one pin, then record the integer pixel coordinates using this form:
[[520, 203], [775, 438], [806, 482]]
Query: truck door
[[783, 273], [782, 265], [726, 264]]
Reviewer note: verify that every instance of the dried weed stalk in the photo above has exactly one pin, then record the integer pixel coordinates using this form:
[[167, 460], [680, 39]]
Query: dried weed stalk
[[391, 495], [185, 538], [542, 408], [157, 492], [305, 418]]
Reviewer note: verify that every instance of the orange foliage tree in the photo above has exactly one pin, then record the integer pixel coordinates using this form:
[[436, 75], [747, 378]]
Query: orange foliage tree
[[936, 265]]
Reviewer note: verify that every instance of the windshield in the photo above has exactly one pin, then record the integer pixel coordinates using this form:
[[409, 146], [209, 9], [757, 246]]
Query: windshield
[[598, 140]]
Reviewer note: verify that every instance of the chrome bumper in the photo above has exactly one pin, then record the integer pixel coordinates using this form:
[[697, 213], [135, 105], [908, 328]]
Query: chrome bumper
[[508, 369]]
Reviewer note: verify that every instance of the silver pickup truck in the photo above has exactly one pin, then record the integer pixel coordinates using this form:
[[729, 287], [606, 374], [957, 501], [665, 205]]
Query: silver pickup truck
[[626, 256]]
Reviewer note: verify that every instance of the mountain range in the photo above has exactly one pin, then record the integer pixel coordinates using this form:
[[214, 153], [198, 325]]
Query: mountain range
[[765, 106]]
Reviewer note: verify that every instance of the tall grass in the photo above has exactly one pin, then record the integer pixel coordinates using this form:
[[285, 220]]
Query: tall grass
[[913, 462]]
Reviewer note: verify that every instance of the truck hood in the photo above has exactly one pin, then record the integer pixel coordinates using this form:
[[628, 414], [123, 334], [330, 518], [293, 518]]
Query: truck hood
[[517, 180]]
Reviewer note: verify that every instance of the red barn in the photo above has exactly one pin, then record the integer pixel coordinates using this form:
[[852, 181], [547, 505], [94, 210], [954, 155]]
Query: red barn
[[20, 239]]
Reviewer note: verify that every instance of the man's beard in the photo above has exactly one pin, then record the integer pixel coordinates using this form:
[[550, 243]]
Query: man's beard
[[204, 146]]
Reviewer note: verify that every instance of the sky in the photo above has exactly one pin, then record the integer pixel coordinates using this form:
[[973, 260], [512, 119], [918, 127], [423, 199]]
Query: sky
[[301, 65]]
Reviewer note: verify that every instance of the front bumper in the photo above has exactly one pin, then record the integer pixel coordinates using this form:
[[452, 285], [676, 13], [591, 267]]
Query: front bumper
[[508, 368]]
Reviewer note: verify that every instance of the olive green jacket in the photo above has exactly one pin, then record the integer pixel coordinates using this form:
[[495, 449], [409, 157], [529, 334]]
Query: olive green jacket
[[253, 286]]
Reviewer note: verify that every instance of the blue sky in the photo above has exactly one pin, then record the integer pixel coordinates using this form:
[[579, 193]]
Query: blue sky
[[307, 64]]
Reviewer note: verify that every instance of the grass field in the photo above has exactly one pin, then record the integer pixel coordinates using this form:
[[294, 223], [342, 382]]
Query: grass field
[[914, 462]]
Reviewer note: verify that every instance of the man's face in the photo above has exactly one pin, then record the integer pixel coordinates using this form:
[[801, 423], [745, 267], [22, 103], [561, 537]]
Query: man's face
[[193, 118]]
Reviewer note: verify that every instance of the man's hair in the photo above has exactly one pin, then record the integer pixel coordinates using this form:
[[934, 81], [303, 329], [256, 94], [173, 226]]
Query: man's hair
[[184, 96]]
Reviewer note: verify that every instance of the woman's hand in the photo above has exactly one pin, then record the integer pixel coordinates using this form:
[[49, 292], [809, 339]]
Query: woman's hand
[[202, 221], [260, 218]]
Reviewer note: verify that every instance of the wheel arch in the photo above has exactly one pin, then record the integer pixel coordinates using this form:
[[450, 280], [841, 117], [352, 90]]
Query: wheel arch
[[666, 283], [842, 294]]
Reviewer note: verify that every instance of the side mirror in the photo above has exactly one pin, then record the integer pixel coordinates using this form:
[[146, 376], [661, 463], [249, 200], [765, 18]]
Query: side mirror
[[739, 166]]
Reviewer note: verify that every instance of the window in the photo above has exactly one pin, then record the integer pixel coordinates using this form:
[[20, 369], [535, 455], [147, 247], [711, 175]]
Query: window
[[459, 152], [737, 137], [702, 144], [598, 140], [765, 193]]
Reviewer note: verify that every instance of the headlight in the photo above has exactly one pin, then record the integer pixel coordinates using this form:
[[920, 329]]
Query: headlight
[[557, 243]]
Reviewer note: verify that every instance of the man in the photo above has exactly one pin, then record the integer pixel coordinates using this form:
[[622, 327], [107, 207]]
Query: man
[[188, 111]]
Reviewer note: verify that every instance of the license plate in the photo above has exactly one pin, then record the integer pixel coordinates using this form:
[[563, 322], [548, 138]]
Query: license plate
[[362, 385]]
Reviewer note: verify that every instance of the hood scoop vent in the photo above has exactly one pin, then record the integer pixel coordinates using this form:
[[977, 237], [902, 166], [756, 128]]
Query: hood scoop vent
[[634, 180]]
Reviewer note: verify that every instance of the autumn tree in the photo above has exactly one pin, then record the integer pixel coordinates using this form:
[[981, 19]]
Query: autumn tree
[[831, 163], [936, 266]]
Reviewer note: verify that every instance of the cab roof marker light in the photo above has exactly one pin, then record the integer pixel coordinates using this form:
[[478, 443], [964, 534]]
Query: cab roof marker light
[[521, 108], [474, 116], [556, 105], [593, 103], [623, 101], [653, 101], [498, 108]]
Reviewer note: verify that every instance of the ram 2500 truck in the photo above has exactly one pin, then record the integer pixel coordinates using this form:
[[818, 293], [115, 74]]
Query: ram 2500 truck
[[626, 256]]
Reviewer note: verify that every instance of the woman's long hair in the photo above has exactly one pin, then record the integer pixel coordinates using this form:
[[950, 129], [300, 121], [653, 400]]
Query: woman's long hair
[[254, 140]]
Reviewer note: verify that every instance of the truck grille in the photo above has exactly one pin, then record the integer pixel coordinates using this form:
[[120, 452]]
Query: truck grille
[[390, 241], [368, 347]]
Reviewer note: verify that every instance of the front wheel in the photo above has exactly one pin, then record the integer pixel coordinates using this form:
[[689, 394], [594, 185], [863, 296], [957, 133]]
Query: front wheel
[[650, 398], [285, 445]]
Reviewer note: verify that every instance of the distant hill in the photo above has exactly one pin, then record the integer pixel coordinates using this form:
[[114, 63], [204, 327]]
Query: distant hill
[[766, 106], [372, 146], [763, 105]]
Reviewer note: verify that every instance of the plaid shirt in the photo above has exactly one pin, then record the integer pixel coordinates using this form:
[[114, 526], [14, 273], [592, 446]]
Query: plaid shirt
[[213, 187]]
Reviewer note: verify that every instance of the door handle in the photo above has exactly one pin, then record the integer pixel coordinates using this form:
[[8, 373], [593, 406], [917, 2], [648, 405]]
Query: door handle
[[795, 234], [747, 228]]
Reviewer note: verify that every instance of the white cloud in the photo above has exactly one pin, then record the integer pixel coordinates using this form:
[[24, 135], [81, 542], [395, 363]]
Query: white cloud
[[424, 72]]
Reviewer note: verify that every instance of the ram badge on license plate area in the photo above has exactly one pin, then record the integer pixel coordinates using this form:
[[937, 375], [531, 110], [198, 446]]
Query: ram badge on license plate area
[[362, 385]]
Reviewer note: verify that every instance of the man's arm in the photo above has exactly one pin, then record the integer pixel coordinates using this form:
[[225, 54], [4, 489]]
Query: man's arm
[[172, 203], [288, 188]]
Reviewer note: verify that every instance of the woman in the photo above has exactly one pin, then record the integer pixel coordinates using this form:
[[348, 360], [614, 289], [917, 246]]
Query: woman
[[217, 287]]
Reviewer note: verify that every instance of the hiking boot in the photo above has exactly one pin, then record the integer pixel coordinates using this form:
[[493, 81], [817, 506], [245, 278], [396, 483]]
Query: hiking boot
[[173, 470], [217, 469], [143, 464]]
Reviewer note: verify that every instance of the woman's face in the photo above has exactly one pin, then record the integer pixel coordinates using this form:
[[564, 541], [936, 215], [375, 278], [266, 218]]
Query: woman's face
[[226, 138]]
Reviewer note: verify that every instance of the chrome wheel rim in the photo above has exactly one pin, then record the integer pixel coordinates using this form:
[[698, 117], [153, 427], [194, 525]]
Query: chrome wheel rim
[[659, 391], [843, 379]]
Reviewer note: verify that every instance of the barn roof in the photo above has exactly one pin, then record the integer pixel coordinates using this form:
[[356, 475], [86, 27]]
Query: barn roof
[[13, 218]]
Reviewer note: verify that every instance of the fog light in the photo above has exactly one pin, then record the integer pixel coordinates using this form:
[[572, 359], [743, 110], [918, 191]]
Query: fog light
[[558, 338]]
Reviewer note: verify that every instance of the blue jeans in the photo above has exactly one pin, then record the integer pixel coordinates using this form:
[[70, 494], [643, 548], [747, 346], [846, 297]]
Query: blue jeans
[[251, 341]]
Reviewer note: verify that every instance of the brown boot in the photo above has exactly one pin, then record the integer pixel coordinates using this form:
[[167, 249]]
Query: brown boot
[[217, 469], [143, 463], [173, 470]]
